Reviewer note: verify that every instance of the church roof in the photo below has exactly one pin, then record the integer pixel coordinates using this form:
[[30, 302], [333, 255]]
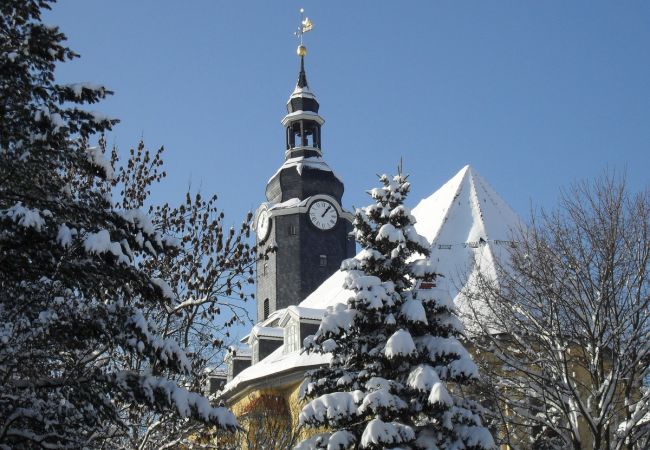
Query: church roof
[[276, 364], [465, 221]]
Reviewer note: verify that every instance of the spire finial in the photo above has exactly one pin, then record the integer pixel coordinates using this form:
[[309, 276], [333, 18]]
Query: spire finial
[[305, 26]]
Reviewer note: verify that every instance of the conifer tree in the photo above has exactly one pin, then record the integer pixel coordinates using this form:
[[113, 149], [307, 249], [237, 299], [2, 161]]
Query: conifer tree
[[394, 346], [72, 293]]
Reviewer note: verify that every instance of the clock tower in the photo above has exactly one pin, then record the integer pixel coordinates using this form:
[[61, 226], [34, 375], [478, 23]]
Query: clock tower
[[302, 217]]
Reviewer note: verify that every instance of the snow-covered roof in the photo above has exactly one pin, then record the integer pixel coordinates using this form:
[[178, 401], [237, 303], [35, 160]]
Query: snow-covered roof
[[291, 203], [329, 293], [303, 92], [468, 225], [300, 162], [218, 373], [306, 313], [274, 332], [301, 312], [242, 351], [275, 364], [302, 114]]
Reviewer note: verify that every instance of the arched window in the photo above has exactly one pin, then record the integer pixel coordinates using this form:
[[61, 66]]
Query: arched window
[[267, 308]]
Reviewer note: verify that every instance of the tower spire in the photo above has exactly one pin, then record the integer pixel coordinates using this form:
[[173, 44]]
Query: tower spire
[[305, 26], [302, 123], [302, 76]]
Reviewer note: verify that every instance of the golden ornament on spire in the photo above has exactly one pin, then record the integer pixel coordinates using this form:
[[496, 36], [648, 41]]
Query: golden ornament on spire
[[305, 26]]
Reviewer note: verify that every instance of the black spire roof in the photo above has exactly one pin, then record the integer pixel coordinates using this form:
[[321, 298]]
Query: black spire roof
[[302, 76], [302, 99]]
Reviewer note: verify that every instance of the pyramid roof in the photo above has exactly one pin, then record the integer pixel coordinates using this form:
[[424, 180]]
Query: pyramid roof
[[468, 225]]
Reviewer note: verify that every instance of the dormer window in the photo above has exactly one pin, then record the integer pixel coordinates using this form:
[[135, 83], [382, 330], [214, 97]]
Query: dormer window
[[291, 337], [298, 323], [264, 341], [256, 351], [237, 360]]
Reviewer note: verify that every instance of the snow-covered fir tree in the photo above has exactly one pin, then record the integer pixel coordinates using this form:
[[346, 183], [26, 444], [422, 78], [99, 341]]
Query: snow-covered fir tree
[[72, 294], [394, 346]]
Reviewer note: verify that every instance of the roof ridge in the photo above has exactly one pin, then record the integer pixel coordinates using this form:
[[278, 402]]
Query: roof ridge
[[475, 197], [451, 203], [489, 190]]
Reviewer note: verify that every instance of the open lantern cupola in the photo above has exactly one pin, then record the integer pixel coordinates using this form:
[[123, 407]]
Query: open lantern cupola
[[302, 122]]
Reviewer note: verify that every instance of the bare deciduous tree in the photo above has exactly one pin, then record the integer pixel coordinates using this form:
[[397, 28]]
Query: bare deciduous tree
[[564, 330], [207, 282]]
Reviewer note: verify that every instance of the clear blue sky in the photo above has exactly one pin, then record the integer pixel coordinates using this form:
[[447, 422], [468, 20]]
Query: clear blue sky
[[533, 94]]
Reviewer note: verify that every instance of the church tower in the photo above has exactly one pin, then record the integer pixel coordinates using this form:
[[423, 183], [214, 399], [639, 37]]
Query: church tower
[[302, 217]]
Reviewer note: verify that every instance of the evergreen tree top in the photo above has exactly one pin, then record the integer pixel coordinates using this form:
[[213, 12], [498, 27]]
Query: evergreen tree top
[[394, 346]]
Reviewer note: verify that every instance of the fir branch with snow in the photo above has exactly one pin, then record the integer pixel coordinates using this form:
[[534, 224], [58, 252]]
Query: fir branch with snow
[[394, 346]]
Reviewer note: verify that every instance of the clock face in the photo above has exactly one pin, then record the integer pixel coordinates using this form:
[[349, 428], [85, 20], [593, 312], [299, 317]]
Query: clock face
[[263, 225], [323, 214]]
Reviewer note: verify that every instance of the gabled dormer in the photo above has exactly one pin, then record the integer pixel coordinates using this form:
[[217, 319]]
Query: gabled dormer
[[298, 323], [237, 359], [264, 340], [215, 379]]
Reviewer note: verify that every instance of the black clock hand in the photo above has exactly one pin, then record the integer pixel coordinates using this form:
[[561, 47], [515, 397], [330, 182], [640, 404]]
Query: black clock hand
[[325, 212]]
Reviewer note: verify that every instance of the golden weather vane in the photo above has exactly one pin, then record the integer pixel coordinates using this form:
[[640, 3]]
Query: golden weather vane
[[305, 26]]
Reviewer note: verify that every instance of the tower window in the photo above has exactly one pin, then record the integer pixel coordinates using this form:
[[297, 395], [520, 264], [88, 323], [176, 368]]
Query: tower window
[[323, 260], [293, 230], [265, 269], [267, 308]]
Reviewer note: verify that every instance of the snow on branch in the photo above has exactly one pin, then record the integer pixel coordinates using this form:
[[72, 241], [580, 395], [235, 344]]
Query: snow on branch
[[100, 243], [25, 217], [331, 408], [166, 350], [98, 160], [380, 433], [166, 394]]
